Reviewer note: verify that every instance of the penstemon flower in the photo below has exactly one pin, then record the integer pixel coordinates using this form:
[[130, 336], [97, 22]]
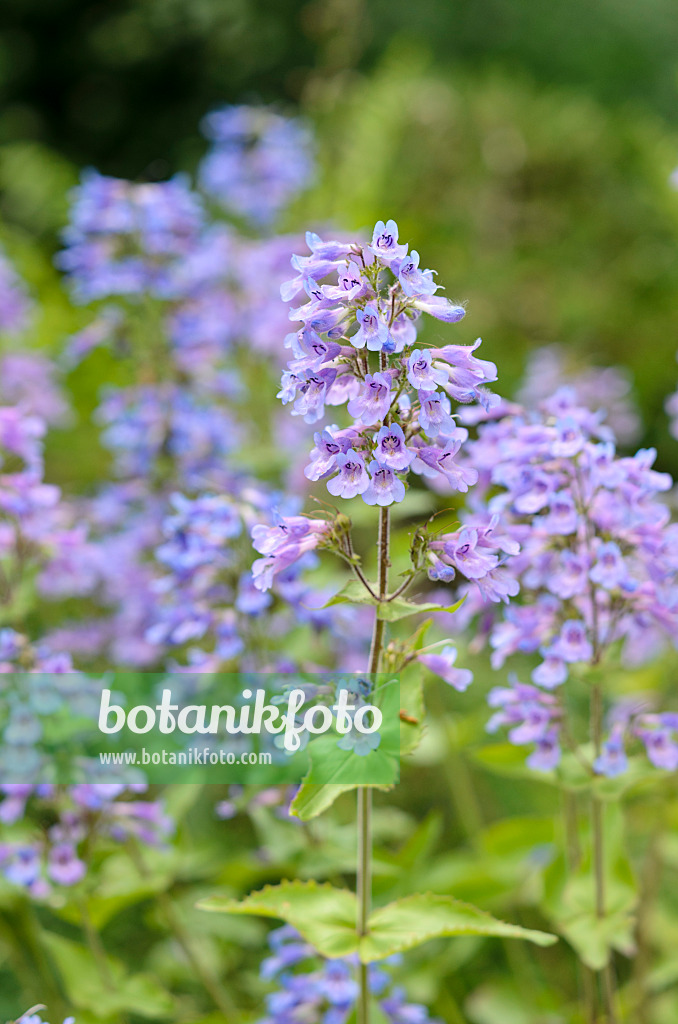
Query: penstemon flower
[[355, 348], [16, 306], [594, 387], [597, 567], [258, 162], [31, 1017], [311, 988]]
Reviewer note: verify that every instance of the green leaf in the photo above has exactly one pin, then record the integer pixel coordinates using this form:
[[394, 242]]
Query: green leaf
[[103, 988], [594, 937], [400, 608], [412, 705], [312, 800], [326, 917], [415, 919], [353, 593], [388, 611], [570, 897], [334, 771]]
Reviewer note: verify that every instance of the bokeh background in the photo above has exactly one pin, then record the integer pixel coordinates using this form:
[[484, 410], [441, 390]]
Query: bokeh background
[[526, 150], [527, 147]]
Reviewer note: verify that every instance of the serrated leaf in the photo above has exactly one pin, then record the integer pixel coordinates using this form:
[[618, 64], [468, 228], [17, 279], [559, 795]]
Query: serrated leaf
[[323, 915], [413, 920], [326, 917]]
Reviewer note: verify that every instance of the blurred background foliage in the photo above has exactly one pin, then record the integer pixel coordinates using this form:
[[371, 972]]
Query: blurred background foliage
[[527, 147]]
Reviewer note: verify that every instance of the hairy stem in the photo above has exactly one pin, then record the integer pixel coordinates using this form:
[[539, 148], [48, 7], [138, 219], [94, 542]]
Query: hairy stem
[[364, 872]]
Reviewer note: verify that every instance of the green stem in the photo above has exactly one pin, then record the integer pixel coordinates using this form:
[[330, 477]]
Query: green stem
[[96, 947], [598, 841], [586, 981], [364, 872]]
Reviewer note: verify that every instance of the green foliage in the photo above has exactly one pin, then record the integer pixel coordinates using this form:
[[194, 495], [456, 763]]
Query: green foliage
[[102, 986], [548, 213], [326, 918], [388, 611]]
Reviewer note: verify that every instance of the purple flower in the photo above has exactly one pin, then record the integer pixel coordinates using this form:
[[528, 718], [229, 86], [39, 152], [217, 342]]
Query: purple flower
[[282, 545], [547, 754], [535, 490], [23, 867], [328, 444], [432, 461], [466, 555], [391, 449], [374, 401], [258, 162], [570, 439], [572, 643], [569, 576], [442, 665], [310, 351], [562, 518], [420, 372], [441, 308], [312, 394], [385, 242], [610, 569], [384, 486], [352, 478], [372, 332], [350, 284], [659, 742], [414, 281], [551, 673], [434, 414], [15, 305], [612, 760], [63, 865], [498, 585]]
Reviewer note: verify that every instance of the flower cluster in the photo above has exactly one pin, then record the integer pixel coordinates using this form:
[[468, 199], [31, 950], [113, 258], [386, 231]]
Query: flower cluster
[[36, 530], [194, 290], [80, 812], [28, 380], [597, 388], [15, 304], [126, 239], [533, 717], [283, 543], [258, 162], [327, 990], [597, 565], [356, 347]]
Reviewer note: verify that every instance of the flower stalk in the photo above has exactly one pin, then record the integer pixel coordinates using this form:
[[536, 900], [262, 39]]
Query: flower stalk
[[364, 873]]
